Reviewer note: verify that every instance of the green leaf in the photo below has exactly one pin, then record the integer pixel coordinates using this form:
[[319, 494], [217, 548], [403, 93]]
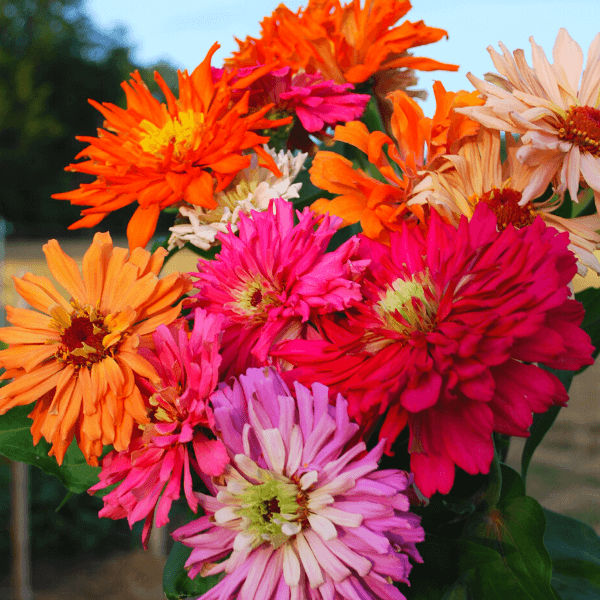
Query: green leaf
[[590, 298], [543, 421], [457, 592], [16, 443], [514, 527], [578, 208], [176, 582], [575, 551]]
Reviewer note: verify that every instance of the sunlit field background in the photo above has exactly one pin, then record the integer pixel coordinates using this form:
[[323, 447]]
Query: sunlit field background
[[54, 55]]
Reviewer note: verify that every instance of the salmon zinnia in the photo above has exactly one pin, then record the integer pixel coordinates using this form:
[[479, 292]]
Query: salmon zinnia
[[159, 154], [79, 360]]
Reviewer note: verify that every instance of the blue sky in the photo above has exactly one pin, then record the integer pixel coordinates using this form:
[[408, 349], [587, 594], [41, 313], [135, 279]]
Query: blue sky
[[182, 32]]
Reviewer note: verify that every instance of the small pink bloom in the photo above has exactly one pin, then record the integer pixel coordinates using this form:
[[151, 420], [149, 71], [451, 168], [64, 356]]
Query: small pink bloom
[[149, 472], [273, 278], [296, 516], [445, 339], [317, 102]]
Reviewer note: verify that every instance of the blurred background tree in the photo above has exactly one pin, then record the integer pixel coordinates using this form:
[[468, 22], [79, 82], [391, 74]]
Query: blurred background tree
[[51, 61]]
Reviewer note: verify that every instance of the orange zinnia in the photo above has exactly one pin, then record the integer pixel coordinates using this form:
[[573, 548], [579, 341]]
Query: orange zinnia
[[345, 43], [382, 206], [159, 154], [79, 360]]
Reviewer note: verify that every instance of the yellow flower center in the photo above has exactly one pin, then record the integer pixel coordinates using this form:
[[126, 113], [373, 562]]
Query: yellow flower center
[[505, 205], [184, 133], [409, 306], [255, 299], [581, 126], [86, 337]]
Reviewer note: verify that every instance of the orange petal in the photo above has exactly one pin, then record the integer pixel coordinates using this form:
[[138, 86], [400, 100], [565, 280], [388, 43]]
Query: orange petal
[[138, 364], [65, 270], [142, 225], [19, 335], [40, 293], [95, 263], [30, 319]]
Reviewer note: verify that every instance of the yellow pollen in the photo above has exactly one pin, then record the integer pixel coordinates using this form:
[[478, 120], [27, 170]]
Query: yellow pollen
[[184, 133]]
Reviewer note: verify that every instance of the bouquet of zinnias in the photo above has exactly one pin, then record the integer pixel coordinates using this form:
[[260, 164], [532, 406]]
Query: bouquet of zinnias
[[381, 300]]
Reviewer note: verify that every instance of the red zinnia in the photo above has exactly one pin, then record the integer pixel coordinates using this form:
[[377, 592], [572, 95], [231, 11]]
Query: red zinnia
[[443, 340]]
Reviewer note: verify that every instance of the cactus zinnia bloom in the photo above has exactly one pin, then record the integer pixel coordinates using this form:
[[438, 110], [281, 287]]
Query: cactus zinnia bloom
[[272, 279], [445, 340], [159, 154], [294, 514], [79, 359], [149, 472]]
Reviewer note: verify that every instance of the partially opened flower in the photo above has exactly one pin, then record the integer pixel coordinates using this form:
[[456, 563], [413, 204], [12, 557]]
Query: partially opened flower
[[159, 154], [554, 107], [149, 472], [345, 43], [79, 359], [273, 278], [296, 516], [252, 189], [417, 143], [478, 175], [445, 340]]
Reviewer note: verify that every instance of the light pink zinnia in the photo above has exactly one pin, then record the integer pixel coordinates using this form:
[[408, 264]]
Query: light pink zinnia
[[273, 278], [294, 515], [445, 340], [181, 419]]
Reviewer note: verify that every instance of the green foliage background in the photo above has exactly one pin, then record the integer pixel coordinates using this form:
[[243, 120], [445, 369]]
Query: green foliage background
[[52, 61]]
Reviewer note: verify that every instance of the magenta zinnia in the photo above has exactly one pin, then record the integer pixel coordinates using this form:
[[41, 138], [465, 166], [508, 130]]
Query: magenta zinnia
[[294, 515], [180, 421], [443, 340], [272, 279]]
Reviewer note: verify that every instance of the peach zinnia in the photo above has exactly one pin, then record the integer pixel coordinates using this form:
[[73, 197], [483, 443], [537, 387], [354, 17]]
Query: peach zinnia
[[159, 155], [79, 360], [554, 107]]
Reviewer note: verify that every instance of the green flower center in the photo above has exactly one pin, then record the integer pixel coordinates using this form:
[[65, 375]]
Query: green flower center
[[411, 300], [268, 506]]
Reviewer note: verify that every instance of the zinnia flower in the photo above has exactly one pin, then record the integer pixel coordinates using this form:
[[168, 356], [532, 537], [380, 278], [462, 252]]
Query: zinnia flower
[[382, 207], [316, 101], [160, 154], [272, 279], [445, 338], [345, 43], [252, 189], [296, 516], [480, 176], [79, 360], [557, 116], [180, 419]]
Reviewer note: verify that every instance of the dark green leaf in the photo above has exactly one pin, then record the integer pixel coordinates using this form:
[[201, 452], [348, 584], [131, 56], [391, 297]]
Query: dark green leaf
[[176, 583], [16, 443], [543, 421], [457, 592], [514, 527], [579, 208], [575, 551], [590, 298]]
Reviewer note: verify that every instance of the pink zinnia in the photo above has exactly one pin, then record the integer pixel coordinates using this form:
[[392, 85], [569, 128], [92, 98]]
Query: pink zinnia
[[180, 415], [443, 340], [317, 102], [273, 278], [294, 515]]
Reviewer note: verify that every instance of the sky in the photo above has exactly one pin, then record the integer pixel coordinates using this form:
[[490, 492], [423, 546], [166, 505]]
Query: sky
[[181, 32]]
